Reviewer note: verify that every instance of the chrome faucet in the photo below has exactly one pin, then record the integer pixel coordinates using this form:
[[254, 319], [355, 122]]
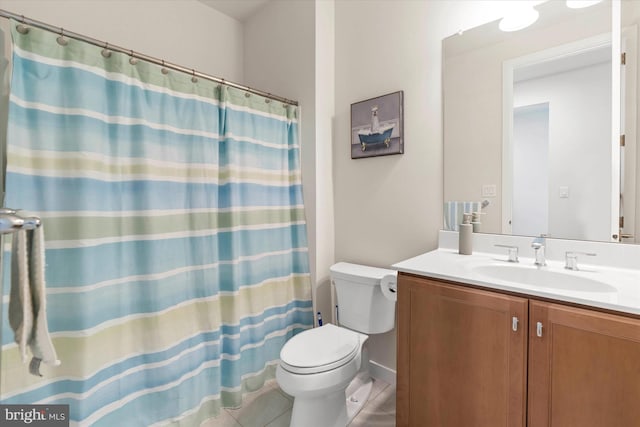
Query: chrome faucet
[[538, 246]]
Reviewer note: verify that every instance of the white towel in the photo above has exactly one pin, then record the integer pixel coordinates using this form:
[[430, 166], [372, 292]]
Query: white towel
[[28, 303], [20, 305]]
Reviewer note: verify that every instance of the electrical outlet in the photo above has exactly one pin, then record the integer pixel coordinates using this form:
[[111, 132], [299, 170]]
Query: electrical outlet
[[489, 190], [564, 192]]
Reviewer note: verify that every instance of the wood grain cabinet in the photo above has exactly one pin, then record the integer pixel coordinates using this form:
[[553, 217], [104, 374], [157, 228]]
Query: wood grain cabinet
[[584, 369], [477, 358], [461, 356]]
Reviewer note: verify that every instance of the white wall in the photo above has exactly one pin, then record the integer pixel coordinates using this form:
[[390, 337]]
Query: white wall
[[390, 208], [325, 112], [579, 148], [185, 32]]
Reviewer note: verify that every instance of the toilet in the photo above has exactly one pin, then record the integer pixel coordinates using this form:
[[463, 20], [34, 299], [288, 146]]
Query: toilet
[[326, 369]]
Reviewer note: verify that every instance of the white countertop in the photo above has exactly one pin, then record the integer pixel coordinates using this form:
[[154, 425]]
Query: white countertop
[[447, 264]]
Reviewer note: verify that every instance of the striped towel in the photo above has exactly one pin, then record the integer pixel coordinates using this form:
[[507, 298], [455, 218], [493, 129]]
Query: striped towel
[[28, 303], [453, 213]]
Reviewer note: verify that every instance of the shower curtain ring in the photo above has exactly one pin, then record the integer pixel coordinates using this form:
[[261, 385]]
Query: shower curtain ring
[[22, 28], [133, 60], [164, 70], [106, 52], [194, 78], [61, 40]]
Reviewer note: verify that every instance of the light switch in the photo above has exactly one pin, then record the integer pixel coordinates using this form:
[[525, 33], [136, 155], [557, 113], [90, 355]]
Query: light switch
[[489, 190], [564, 192]]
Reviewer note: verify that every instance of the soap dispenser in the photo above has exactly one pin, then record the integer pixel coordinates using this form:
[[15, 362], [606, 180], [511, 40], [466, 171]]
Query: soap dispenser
[[475, 221], [465, 235]]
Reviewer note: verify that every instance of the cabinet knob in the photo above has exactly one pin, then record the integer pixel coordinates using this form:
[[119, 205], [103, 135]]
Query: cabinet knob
[[514, 324], [539, 329]]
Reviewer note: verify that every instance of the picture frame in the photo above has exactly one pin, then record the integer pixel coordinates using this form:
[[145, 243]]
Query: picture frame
[[377, 127]]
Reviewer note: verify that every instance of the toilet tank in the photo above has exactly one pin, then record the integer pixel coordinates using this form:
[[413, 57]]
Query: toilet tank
[[361, 305]]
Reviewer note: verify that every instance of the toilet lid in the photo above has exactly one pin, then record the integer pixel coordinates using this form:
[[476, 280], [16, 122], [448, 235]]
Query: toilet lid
[[320, 349]]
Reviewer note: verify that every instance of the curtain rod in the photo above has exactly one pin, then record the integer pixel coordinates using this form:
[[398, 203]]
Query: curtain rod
[[161, 62]]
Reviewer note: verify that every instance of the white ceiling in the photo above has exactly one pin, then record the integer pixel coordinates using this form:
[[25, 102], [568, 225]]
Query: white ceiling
[[584, 58], [237, 9]]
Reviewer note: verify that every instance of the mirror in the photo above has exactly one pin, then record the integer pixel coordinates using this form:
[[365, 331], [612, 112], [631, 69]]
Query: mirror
[[529, 124]]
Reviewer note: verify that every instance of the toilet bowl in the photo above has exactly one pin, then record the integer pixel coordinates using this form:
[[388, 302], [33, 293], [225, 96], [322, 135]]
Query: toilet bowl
[[326, 369], [316, 367]]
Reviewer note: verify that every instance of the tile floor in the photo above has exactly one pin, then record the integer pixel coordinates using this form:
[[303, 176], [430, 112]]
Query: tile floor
[[271, 407]]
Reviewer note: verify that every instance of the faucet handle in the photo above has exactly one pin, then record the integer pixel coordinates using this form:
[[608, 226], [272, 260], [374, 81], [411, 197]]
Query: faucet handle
[[571, 259], [513, 252]]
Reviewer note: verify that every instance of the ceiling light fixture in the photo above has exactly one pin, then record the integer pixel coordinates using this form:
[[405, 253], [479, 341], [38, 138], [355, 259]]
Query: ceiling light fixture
[[519, 18]]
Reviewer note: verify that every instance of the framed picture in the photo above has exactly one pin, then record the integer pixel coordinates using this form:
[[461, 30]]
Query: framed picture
[[376, 126]]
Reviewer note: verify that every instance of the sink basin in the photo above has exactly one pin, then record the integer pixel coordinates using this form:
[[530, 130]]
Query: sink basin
[[543, 278]]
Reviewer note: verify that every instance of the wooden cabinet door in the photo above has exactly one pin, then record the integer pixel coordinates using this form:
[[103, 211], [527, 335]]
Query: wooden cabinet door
[[460, 363], [584, 371]]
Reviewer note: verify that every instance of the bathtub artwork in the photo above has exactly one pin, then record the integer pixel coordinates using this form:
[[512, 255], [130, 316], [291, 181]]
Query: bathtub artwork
[[376, 126]]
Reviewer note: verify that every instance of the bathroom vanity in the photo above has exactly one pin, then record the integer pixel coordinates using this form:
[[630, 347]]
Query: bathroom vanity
[[478, 349], [486, 342]]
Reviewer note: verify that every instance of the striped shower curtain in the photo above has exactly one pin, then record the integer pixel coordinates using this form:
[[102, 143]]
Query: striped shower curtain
[[177, 261]]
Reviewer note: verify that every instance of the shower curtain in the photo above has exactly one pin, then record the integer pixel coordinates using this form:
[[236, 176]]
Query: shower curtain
[[177, 261]]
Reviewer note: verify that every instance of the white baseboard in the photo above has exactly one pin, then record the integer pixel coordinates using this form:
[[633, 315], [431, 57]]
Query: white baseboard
[[382, 373]]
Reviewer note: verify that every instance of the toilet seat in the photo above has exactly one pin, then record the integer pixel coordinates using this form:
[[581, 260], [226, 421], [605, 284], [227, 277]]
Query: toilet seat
[[319, 350]]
